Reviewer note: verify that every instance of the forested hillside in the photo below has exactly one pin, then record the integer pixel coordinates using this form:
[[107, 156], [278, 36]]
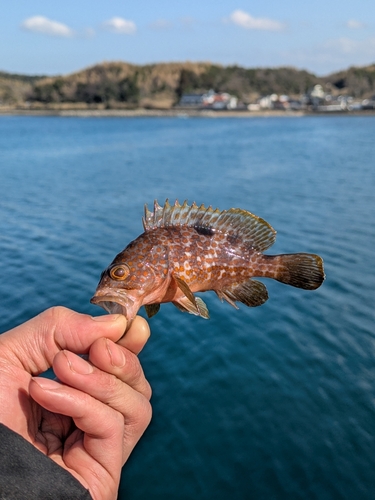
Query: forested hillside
[[119, 84]]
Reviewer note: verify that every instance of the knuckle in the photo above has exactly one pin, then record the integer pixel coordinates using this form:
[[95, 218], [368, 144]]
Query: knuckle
[[118, 419], [141, 415], [114, 422], [147, 391], [145, 410], [53, 318], [148, 412], [111, 385], [134, 367], [49, 326], [137, 377], [55, 313]]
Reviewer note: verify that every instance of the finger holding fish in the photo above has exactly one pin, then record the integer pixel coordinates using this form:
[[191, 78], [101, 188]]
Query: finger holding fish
[[113, 375], [136, 336], [120, 362]]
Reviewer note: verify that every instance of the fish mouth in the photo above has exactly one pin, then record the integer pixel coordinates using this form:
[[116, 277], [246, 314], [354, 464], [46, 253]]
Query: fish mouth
[[109, 304], [113, 303]]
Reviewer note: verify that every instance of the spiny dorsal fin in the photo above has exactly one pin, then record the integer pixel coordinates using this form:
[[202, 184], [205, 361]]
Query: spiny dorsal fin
[[254, 231]]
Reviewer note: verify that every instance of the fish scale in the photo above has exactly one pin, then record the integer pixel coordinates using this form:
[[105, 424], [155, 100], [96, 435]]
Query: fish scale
[[189, 248]]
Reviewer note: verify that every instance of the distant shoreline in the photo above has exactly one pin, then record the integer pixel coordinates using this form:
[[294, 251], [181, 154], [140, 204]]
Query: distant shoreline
[[179, 113]]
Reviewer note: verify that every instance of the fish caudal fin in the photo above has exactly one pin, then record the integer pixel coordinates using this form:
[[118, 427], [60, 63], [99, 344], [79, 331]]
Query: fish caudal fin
[[302, 270]]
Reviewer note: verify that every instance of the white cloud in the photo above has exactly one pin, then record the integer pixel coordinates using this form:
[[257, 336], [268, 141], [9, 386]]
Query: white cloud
[[120, 26], [41, 24], [353, 24], [245, 20]]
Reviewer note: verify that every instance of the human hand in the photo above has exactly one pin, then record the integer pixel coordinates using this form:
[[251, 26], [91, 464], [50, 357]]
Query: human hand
[[89, 421]]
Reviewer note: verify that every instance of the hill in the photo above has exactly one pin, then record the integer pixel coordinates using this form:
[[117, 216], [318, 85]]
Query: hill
[[14, 88], [123, 85], [356, 81]]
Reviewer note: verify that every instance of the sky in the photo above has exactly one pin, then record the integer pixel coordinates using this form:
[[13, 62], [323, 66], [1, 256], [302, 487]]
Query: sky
[[45, 37]]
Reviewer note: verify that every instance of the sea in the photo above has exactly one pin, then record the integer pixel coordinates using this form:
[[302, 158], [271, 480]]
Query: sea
[[274, 402]]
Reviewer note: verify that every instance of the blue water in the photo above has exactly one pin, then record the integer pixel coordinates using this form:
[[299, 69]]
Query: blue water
[[276, 402]]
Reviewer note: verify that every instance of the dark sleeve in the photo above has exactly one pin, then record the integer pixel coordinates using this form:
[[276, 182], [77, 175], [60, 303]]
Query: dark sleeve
[[26, 473]]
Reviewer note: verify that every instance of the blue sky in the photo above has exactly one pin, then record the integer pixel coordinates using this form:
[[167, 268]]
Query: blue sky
[[47, 37]]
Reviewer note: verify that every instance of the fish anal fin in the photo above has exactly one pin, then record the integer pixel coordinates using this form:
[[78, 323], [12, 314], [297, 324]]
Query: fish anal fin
[[152, 309], [198, 309], [223, 296], [252, 293]]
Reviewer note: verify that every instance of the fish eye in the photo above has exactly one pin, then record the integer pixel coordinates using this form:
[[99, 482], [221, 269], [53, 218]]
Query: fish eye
[[119, 273]]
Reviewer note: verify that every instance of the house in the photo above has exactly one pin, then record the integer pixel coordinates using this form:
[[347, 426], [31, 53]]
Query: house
[[191, 100], [209, 100]]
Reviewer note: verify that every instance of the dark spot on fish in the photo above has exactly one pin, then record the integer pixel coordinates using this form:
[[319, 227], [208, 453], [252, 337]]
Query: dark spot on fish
[[131, 245], [233, 239], [204, 231]]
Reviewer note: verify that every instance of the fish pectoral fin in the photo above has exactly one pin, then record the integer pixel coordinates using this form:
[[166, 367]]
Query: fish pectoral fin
[[152, 309], [190, 303], [199, 308], [182, 308], [252, 293], [184, 287]]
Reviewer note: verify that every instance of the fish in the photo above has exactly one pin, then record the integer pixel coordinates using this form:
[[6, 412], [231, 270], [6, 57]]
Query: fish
[[186, 249]]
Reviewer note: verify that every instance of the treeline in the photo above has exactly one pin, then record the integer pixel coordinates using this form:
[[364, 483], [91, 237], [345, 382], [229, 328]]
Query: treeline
[[161, 85]]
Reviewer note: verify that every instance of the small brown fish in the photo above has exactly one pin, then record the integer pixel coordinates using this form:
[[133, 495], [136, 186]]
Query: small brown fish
[[186, 249]]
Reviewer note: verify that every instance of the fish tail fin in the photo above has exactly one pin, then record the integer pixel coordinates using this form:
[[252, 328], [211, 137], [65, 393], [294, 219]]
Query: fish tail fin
[[302, 270]]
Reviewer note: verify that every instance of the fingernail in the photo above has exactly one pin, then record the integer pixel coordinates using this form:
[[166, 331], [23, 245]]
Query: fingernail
[[116, 354], [77, 364], [46, 383], [107, 317]]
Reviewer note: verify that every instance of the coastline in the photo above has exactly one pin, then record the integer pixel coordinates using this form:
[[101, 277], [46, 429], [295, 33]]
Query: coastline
[[175, 112]]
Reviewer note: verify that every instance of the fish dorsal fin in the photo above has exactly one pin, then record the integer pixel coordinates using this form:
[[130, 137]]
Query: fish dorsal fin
[[252, 230]]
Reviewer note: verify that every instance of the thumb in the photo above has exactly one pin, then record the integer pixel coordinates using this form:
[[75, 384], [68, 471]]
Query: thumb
[[34, 344]]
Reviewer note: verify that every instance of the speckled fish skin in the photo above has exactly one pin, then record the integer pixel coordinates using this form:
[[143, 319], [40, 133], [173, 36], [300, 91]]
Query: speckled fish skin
[[186, 249]]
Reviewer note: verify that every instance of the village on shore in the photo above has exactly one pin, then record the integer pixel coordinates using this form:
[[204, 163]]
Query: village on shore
[[189, 89], [315, 100]]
